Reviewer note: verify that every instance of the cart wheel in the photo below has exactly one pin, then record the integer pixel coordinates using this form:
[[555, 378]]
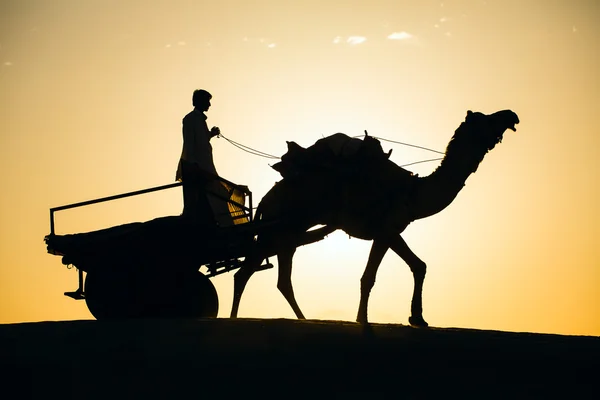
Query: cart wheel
[[194, 296], [107, 296], [166, 295]]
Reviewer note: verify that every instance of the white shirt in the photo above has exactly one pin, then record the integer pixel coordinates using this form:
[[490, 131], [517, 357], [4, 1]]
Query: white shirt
[[196, 143]]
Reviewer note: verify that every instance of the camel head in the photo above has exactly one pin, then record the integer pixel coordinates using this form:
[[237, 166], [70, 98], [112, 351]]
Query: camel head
[[478, 134], [487, 130]]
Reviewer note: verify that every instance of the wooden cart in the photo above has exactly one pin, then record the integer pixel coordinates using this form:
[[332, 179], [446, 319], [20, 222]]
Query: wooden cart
[[158, 268]]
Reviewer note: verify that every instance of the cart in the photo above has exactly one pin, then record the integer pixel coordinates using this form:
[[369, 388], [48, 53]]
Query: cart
[[158, 268]]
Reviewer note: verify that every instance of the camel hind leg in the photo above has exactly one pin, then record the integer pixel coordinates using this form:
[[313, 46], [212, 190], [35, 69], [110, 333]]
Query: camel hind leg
[[284, 280], [418, 268]]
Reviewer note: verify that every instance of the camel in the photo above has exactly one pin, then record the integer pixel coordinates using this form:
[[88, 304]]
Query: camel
[[367, 196]]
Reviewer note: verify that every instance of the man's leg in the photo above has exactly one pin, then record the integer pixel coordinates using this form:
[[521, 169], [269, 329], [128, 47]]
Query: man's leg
[[203, 212], [189, 199]]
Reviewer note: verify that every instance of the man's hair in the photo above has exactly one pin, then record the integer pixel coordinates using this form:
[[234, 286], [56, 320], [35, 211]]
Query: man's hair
[[200, 96]]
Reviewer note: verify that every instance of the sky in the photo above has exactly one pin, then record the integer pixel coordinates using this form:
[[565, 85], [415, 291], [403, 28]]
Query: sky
[[92, 94]]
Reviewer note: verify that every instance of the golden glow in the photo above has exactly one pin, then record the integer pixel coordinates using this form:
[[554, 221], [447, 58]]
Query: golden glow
[[92, 96]]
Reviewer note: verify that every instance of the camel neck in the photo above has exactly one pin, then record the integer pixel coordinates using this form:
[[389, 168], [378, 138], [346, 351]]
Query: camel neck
[[435, 192]]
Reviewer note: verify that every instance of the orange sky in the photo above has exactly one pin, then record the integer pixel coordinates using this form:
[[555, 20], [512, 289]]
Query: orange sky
[[91, 99]]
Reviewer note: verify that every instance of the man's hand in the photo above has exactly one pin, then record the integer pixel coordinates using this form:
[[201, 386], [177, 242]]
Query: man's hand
[[215, 131]]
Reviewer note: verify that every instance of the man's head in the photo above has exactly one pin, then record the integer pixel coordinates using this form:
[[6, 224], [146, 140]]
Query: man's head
[[201, 99]]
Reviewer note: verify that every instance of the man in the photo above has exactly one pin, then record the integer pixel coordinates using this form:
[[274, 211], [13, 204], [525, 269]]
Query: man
[[196, 168]]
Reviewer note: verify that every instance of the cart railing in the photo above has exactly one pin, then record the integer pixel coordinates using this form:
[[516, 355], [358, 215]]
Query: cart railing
[[246, 209]]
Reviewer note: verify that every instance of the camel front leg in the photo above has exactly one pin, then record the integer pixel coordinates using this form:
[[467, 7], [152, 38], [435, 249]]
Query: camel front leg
[[284, 280], [378, 250], [418, 268]]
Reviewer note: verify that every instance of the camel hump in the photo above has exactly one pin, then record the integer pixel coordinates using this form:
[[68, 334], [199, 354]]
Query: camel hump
[[341, 144], [338, 150]]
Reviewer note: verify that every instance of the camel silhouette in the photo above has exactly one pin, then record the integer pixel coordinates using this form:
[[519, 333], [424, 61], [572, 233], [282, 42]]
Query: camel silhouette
[[350, 184]]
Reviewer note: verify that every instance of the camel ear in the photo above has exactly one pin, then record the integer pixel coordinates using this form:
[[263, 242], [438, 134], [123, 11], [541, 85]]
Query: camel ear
[[469, 114]]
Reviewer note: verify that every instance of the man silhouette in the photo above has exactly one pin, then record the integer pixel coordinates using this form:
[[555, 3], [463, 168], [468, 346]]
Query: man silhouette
[[196, 168]]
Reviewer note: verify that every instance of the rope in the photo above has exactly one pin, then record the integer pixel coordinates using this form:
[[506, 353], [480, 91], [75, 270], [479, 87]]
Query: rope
[[250, 149], [405, 144], [422, 161], [411, 145], [272, 157]]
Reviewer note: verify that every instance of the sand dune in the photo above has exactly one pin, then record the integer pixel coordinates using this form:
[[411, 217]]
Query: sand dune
[[289, 359]]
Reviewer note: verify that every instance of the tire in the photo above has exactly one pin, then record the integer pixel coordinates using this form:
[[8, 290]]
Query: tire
[[107, 295], [196, 297], [169, 294]]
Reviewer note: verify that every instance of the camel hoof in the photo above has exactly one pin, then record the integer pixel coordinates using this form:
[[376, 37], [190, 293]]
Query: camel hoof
[[418, 321], [363, 320]]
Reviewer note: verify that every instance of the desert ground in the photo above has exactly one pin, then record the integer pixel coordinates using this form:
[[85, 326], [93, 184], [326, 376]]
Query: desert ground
[[280, 358]]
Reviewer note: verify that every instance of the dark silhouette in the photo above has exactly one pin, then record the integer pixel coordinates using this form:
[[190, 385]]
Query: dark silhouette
[[196, 168], [151, 269], [348, 184]]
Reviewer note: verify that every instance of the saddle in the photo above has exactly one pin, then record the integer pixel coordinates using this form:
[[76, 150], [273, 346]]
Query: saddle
[[338, 151]]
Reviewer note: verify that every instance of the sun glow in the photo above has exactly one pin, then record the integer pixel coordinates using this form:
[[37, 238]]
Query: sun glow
[[92, 101]]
